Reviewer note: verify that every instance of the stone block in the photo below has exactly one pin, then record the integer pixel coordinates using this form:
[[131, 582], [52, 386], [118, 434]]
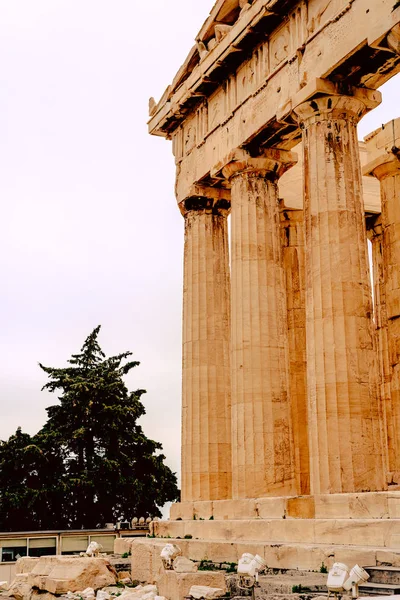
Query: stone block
[[123, 577], [198, 550], [146, 561], [373, 505], [123, 545], [184, 565], [276, 555], [290, 530], [222, 510], [25, 564], [203, 510], [387, 557], [271, 508], [373, 532], [178, 585], [244, 509], [200, 592], [36, 595], [351, 556], [20, 588], [181, 510], [148, 592], [301, 507], [60, 574], [223, 552], [394, 505], [234, 509], [334, 506], [208, 550], [173, 529]]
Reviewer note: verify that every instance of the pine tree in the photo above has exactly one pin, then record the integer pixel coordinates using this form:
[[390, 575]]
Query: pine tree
[[112, 469], [91, 463]]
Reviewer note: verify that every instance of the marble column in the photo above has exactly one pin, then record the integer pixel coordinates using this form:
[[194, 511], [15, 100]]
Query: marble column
[[292, 229], [346, 452], [385, 166], [262, 445], [375, 235], [206, 410]]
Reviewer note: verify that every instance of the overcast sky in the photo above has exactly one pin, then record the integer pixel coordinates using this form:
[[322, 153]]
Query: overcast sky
[[90, 232]]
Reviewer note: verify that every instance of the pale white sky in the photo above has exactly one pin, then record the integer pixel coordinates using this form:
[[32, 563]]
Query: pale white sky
[[90, 232]]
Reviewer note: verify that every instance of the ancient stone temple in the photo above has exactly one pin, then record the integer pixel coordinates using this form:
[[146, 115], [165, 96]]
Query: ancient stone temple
[[291, 365]]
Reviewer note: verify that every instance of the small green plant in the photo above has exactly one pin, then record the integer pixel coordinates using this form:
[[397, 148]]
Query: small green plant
[[296, 589], [232, 568], [208, 565], [324, 568], [188, 536], [203, 566], [126, 554], [211, 518]]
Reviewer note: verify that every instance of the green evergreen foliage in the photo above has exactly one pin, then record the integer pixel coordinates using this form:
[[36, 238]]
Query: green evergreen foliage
[[28, 487], [91, 463]]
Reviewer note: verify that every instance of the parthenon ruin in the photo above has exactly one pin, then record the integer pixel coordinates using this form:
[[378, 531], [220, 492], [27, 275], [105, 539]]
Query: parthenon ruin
[[291, 366]]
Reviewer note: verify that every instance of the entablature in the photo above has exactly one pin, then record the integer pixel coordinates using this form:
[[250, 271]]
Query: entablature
[[278, 53], [270, 33]]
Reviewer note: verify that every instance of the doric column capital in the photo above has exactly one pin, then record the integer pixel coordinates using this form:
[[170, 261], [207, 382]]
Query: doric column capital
[[328, 108], [271, 164], [383, 146], [324, 100], [215, 200], [385, 165]]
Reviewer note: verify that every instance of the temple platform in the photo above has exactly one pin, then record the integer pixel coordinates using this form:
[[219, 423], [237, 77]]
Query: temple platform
[[306, 533]]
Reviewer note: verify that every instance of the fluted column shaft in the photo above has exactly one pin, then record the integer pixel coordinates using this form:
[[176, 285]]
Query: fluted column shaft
[[262, 447], [375, 235], [292, 226], [386, 168], [343, 408], [206, 411]]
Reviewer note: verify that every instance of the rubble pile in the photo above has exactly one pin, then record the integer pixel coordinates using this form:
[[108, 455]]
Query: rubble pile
[[91, 576], [74, 578]]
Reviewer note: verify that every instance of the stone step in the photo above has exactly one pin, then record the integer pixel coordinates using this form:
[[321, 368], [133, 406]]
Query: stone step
[[383, 574], [379, 589], [375, 533], [371, 505], [299, 556], [296, 583]]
